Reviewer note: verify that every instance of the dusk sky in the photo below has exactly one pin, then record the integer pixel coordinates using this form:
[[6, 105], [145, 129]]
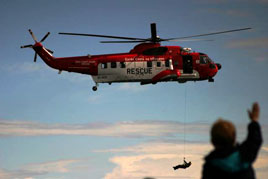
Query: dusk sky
[[54, 126]]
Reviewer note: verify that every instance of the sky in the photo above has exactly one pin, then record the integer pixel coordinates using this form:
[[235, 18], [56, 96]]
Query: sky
[[54, 126]]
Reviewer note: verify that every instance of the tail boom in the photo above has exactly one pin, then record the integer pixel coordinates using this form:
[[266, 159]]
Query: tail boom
[[45, 55]]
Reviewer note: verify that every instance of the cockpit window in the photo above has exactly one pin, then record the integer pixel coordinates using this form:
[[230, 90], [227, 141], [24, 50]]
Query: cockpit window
[[155, 51], [204, 59]]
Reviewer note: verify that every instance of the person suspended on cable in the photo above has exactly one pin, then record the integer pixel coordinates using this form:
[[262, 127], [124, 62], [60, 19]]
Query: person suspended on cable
[[184, 165]]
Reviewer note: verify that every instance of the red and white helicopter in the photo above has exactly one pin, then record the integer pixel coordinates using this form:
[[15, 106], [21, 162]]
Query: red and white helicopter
[[147, 63]]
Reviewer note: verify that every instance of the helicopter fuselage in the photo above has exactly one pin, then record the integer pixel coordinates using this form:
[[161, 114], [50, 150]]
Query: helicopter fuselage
[[147, 63]]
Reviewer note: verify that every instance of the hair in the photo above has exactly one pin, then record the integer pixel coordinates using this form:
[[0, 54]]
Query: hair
[[223, 134]]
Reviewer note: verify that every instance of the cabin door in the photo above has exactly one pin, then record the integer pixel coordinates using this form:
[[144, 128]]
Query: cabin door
[[187, 64]]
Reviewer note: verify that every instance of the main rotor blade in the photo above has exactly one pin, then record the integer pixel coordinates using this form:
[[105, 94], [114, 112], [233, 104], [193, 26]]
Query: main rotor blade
[[188, 40], [131, 41], [105, 36], [44, 38], [213, 33], [32, 35]]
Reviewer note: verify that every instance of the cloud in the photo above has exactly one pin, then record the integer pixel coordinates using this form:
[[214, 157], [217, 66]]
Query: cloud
[[152, 159], [38, 169], [156, 148], [265, 149], [128, 129], [156, 160], [255, 46], [249, 43], [59, 166], [118, 129]]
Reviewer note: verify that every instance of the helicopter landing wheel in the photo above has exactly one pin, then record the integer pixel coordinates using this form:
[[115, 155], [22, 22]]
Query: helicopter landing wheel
[[210, 80], [94, 88]]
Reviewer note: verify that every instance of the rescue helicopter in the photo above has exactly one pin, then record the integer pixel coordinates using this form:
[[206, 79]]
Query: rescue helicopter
[[147, 63]]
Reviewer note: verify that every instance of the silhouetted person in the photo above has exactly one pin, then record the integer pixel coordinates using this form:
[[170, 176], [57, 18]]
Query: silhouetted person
[[229, 159], [184, 165]]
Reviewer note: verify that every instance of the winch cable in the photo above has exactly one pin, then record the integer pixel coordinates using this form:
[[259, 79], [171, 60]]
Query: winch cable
[[184, 121]]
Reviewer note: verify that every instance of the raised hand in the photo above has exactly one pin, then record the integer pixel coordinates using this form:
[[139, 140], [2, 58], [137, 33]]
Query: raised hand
[[254, 113]]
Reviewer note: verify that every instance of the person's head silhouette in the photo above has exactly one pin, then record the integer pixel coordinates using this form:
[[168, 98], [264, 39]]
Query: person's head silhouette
[[223, 134]]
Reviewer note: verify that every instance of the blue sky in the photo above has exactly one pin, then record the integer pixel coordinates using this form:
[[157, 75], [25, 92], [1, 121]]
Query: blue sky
[[55, 126]]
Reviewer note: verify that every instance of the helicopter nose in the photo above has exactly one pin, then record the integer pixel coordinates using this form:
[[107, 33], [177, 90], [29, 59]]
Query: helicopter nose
[[219, 66]]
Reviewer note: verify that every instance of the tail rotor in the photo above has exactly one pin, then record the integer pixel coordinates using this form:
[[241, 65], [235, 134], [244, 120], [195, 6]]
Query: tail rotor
[[36, 43], [26, 46], [35, 57]]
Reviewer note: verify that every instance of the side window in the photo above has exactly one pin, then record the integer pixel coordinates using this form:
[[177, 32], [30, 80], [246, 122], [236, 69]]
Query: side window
[[167, 63], [158, 64], [149, 64], [122, 64], [113, 64], [104, 65]]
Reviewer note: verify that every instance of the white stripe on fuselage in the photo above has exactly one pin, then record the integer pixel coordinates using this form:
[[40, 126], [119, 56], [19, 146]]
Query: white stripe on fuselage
[[134, 71]]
